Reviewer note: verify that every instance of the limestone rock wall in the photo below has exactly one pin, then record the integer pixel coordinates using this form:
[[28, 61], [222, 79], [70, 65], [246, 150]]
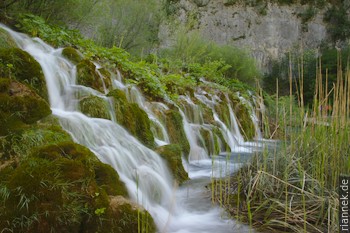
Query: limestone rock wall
[[268, 30]]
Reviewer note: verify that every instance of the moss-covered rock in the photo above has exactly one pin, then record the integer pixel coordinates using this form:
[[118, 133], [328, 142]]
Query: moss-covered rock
[[88, 75], [72, 54], [223, 112], [245, 121], [58, 188], [211, 140], [107, 179], [6, 40], [19, 105], [95, 106], [133, 118], [129, 217], [173, 155], [174, 125], [20, 65]]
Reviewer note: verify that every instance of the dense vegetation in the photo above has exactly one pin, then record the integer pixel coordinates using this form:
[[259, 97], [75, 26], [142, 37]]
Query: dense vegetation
[[292, 189]]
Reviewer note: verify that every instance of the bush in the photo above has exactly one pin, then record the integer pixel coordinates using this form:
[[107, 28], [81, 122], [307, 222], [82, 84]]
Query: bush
[[192, 48]]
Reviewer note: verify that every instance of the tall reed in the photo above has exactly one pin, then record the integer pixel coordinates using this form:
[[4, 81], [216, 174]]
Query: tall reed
[[293, 187]]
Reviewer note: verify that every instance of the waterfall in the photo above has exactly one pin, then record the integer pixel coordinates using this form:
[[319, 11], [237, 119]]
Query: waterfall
[[142, 170], [134, 95], [144, 173]]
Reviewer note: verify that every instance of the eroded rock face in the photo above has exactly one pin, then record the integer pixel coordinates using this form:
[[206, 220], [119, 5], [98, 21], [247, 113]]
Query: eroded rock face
[[268, 29]]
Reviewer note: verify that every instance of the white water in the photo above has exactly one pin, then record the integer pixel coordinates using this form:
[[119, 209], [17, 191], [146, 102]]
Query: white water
[[145, 174]]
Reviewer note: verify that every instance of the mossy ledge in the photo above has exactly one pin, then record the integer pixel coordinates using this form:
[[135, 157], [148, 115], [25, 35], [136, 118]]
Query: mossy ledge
[[72, 54], [173, 155], [19, 106], [174, 124], [95, 106], [6, 40], [132, 117], [244, 120], [88, 75]]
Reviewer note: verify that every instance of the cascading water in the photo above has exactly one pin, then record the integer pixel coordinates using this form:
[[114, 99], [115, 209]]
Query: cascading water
[[145, 174], [133, 95]]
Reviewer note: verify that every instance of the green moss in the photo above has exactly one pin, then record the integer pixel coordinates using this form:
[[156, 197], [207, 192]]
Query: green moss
[[19, 106], [40, 200], [18, 64], [176, 131], [223, 112], [94, 106], [118, 95], [108, 179], [6, 40], [72, 54], [87, 75], [58, 188], [67, 150], [133, 118], [213, 146], [128, 217], [172, 154]]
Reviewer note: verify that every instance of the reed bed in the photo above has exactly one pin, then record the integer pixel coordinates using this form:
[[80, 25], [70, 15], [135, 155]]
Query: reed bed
[[294, 187]]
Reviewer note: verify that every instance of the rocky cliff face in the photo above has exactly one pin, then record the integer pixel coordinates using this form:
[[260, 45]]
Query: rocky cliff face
[[268, 30]]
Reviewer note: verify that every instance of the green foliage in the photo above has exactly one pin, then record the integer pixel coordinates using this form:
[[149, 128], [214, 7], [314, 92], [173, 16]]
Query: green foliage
[[77, 11], [132, 25], [314, 3], [190, 47], [338, 22], [172, 154], [280, 71], [55, 35], [23, 143], [308, 14], [178, 84]]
